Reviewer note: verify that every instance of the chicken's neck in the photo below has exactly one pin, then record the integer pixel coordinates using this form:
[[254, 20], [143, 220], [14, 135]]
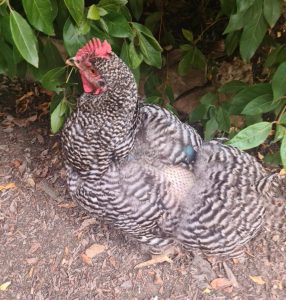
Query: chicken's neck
[[105, 124]]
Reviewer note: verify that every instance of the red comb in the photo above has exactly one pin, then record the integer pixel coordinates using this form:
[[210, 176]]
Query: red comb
[[96, 47]]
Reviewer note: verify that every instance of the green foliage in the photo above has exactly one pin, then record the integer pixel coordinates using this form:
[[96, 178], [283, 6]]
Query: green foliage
[[252, 136], [252, 18], [138, 31], [191, 55], [24, 38]]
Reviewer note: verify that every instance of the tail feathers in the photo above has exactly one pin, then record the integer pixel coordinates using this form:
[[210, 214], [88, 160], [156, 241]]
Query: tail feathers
[[273, 188]]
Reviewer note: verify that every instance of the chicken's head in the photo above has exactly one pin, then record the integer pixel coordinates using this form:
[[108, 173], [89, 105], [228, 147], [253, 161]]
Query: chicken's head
[[99, 67]]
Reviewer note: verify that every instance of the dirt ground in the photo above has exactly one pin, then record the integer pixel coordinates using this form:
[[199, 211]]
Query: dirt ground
[[45, 238]]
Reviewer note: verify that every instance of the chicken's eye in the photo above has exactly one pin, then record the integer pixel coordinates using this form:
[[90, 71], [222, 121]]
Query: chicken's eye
[[101, 83]]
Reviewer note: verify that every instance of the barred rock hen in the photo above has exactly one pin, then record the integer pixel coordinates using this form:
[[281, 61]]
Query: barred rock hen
[[138, 167]]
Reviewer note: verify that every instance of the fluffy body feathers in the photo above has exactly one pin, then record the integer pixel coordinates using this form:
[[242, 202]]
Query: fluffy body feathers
[[141, 169]]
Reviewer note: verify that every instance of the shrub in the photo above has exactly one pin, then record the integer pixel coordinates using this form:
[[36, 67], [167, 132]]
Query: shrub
[[31, 32]]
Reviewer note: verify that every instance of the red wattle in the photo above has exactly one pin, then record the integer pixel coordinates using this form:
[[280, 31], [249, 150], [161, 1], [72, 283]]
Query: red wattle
[[87, 87]]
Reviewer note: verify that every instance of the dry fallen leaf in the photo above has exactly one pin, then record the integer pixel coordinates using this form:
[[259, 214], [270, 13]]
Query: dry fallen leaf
[[94, 250], [257, 279], [16, 163], [68, 205], [112, 261], [86, 223], [30, 181], [282, 172], [7, 186], [260, 156], [277, 284], [40, 139], [4, 286], [156, 259], [66, 251], [87, 260], [207, 291], [222, 284], [34, 247], [32, 260], [158, 280], [23, 102], [30, 274]]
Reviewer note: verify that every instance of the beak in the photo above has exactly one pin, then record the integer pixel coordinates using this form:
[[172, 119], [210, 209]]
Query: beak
[[71, 62]]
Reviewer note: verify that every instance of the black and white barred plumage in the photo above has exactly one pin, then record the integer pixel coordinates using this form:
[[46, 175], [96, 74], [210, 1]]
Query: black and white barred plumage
[[138, 167]]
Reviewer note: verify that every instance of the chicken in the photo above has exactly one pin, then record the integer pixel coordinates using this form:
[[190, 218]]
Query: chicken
[[144, 171]]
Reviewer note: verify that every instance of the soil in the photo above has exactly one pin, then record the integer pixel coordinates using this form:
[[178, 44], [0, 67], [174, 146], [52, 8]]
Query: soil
[[44, 235]]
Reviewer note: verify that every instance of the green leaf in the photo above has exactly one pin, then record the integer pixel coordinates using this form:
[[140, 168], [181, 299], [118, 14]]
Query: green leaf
[[117, 25], [240, 100], [151, 56], [93, 13], [232, 87], [124, 55], [135, 57], [136, 8], [223, 119], [192, 58], [232, 42], [199, 113], [171, 108], [280, 132], [243, 5], [251, 136], [188, 35], [236, 21], [17, 57], [272, 11], [24, 38], [273, 158], [56, 99], [58, 116], [102, 11], [151, 85], [52, 55], [6, 59], [169, 93], [250, 120], [5, 29], [227, 6], [76, 9], [73, 39], [211, 126], [3, 8], [124, 11], [278, 82], [49, 58], [40, 14], [259, 105], [208, 99], [111, 5], [283, 119], [283, 152], [153, 100], [147, 34], [53, 79], [252, 35], [153, 21], [276, 57]]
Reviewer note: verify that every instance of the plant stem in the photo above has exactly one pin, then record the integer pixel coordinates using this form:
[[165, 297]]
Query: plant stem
[[8, 4], [281, 114], [68, 78]]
